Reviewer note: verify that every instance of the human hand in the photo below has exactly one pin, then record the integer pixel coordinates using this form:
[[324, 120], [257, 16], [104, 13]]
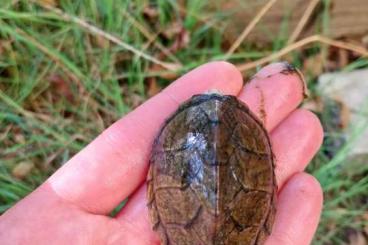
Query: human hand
[[72, 206]]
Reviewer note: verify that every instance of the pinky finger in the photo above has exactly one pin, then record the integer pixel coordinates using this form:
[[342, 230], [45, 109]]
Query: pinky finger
[[298, 211]]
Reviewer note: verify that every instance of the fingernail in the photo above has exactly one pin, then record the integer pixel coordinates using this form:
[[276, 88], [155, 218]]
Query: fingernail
[[284, 68], [270, 70]]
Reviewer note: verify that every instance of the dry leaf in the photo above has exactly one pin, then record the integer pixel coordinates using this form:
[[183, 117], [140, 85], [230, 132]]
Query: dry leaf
[[61, 86], [313, 65], [150, 12], [181, 41], [135, 100], [152, 87], [343, 57], [102, 42], [173, 30], [19, 138], [22, 169], [357, 238]]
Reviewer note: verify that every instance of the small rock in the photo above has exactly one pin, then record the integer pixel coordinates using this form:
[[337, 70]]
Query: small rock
[[351, 89]]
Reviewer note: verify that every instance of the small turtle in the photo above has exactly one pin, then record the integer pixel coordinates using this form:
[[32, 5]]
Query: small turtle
[[211, 178]]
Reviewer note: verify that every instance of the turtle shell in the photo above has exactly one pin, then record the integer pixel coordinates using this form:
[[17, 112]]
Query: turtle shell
[[211, 178]]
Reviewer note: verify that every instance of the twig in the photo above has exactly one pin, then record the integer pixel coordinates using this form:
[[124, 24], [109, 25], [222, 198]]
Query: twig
[[303, 21], [97, 31], [315, 38], [249, 27], [344, 45]]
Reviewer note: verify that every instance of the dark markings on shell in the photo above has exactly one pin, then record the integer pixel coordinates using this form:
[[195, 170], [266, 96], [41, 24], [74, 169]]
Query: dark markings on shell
[[211, 178]]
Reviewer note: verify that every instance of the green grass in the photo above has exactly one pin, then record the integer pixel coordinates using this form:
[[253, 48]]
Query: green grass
[[344, 181], [61, 85]]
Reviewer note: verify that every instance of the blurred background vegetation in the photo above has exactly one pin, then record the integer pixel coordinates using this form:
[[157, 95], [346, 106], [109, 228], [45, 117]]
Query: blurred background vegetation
[[68, 69]]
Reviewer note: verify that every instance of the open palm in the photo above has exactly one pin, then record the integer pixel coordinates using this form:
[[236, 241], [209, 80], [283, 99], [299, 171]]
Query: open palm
[[72, 206]]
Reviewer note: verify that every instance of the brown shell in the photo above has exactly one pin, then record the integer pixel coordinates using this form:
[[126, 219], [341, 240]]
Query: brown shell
[[211, 177]]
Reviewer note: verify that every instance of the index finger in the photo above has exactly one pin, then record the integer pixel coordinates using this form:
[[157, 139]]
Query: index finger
[[99, 177]]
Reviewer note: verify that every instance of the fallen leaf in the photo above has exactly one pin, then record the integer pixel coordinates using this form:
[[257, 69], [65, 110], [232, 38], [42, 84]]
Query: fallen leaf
[[357, 238], [181, 41], [343, 57], [19, 138], [135, 100], [61, 86], [174, 29], [152, 87], [102, 42], [150, 12], [313, 65], [22, 169]]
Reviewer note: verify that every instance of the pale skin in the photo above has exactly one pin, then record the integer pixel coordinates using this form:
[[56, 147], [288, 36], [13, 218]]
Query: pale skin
[[72, 206]]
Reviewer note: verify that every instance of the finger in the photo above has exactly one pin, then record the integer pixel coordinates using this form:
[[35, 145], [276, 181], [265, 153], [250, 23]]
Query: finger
[[298, 211], [115, 163], [274, 92], [294, 142]]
